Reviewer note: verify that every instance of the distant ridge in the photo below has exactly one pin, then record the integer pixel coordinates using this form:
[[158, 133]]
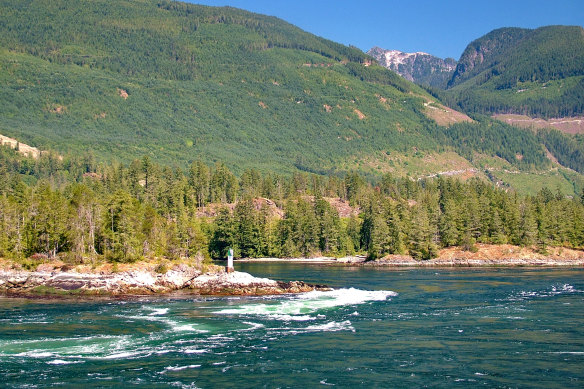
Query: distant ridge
[[539, 73]]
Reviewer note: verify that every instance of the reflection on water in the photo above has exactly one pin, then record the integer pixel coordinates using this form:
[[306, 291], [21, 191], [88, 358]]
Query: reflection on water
[[382, 327]]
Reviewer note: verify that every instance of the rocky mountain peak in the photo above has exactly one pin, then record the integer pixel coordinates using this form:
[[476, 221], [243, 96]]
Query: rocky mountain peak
[[419, 67]]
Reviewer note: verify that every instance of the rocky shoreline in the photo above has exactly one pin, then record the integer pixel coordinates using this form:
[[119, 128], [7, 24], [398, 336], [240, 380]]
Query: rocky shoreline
[[139, 279], [406, 261], [181, 279], [484, 255]]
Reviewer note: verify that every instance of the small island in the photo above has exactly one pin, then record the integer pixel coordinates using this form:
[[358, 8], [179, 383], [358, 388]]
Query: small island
[[56, 279]]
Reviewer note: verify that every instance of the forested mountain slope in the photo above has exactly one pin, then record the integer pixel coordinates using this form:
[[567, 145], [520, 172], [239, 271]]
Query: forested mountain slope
[[180, 82], [531, 72]]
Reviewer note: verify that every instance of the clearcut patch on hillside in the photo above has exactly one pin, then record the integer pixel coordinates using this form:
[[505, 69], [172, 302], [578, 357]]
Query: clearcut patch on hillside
[[22, 148], [443, 115], [415, 164], [568, 125]]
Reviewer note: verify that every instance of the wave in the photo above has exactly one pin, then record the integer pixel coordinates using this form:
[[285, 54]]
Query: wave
[[554, 290], [179, 368], [332, 326], [195, 351], [158, 315], [300, 308], [181, 335], [158, 311], [62, 362], [566, 352]]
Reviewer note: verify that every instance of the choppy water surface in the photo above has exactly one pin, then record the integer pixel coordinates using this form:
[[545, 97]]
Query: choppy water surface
[[380, 328]]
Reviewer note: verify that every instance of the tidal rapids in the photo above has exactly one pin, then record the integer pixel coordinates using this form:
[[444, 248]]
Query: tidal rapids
[[377, 328]]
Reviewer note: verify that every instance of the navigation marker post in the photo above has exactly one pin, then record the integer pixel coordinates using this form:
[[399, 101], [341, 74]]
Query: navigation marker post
[[229, 268]]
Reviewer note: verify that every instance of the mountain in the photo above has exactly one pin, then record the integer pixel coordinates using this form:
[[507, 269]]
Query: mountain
[[536, 72], [421, 68], [484, 52], [117, 80], [181, 82]]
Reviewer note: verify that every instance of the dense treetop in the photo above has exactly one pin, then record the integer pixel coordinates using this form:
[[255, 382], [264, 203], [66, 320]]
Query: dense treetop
[[82, 212]]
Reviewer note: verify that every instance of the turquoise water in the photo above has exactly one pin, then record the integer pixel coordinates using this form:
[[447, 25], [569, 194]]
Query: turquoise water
[[381, 328]]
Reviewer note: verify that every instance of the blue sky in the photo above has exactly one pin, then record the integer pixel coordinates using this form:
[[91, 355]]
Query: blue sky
[[439, 27]]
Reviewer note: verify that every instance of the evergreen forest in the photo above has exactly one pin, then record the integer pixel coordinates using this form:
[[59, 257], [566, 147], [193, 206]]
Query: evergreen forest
[[81, 211], [538, 73], [174, 130]]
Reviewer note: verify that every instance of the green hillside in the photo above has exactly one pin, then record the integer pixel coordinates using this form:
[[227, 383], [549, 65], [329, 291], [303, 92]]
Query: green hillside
[[201, 82], [532, 72], [120, 80]]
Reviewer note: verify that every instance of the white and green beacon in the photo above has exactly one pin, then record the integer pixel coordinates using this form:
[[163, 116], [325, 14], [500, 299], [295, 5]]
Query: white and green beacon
[[229, 267]]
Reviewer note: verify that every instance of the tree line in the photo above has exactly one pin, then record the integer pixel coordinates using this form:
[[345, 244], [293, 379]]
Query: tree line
[[144, 210]]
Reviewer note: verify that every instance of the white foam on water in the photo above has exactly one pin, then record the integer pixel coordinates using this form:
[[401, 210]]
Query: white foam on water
[[567, 352], [36, 354], [63, 348], [300, 307], [158, 311], [174, 325], [195, 351], [125, 355], [253, 326], [554, 290], [179, 327], [332, 326], [56, 340], [293, 317], [62, 362], [179, 368]]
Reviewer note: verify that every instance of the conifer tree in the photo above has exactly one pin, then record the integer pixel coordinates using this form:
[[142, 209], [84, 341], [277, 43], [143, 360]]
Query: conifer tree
[[528, 226], [247, 234], [379, 237], [329, 226], [449, 224], [396, 233], [353, 234], [223, 236], [199, 180], [496, 229], [84, 221], [121, 228], [421, 244]]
